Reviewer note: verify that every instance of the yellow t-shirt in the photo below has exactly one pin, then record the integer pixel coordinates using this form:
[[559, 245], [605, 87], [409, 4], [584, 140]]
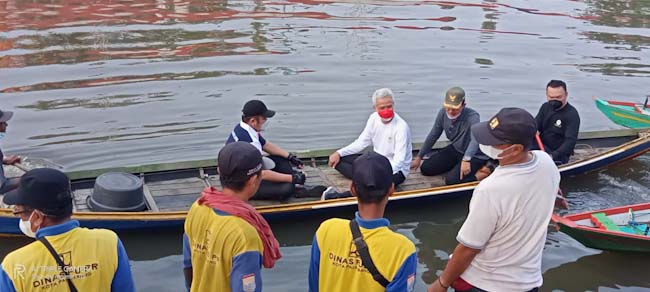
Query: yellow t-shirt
[[336, 265], [224, 251]]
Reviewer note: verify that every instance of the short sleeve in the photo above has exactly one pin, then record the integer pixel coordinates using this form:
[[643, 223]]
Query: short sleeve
[[480, 223]]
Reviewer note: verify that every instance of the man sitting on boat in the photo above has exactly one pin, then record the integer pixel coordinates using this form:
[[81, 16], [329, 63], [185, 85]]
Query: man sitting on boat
[[389, 135], [338, 256], [461, 159], [6, 184], [279, 182], [558, 123], [501, 241]]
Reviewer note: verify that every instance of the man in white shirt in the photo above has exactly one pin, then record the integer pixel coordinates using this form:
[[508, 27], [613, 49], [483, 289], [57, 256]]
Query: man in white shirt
[[389, 135], [501, 241]]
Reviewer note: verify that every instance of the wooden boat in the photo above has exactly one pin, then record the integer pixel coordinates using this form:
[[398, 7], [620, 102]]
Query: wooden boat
[[171, 188], [627, 114], [618, 229]]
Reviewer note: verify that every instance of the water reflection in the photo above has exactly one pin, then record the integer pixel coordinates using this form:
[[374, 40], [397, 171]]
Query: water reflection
[[620, 13], [107, 81]]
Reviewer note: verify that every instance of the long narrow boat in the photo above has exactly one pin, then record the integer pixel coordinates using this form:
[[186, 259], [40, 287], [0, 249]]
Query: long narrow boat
[[627, 114], [171, 188], [617, 229]]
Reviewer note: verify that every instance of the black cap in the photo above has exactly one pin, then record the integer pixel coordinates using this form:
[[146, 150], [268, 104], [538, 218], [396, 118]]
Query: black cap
[[45, 189], [372, 175], [239, 159], [5, 116], [256, 108], [510, 125]]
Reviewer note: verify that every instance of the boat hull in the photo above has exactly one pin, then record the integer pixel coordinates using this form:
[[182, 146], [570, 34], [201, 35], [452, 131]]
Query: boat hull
[[623, 114], [604, 239], [174, 219]]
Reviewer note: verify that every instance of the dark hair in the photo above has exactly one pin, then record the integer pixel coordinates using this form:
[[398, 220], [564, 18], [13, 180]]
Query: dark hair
[[369, 196], [246, 119], [236, 182], [556, 83], [57, 213]]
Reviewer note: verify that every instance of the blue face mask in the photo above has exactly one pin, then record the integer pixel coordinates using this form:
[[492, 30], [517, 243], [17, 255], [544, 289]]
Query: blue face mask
[[2, 135]]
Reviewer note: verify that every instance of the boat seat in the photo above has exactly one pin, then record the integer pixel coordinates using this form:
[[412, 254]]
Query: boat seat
[[603, 222]]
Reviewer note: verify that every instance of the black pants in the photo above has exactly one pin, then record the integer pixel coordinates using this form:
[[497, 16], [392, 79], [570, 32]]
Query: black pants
[[447, 161], [270, 190], [453, 176], [345, 168]]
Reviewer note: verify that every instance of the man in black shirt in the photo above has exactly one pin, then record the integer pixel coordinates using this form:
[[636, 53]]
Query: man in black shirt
[[558, 123], [461, 159]]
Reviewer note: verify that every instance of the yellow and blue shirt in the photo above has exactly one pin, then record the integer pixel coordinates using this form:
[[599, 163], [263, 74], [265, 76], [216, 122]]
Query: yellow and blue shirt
[[94, 258], [223, 251], [336, 265]]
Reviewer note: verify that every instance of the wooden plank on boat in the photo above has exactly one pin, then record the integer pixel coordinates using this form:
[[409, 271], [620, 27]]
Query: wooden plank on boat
[[178, 202], [153, 185], [148, 198], [193, 185], [173, 192]]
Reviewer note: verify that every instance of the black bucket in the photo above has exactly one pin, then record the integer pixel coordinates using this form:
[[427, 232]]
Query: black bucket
[[117, 192]]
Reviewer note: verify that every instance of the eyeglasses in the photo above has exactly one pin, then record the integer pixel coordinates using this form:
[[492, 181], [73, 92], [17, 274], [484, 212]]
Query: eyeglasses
[[18, 213]]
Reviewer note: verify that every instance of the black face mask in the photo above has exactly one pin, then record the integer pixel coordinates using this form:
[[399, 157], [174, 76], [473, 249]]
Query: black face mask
[[555, 104]]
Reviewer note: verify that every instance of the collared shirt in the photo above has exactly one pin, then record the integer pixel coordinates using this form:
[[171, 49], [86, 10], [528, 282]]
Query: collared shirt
[[392, 140], [336, 266], [558, 130], [96, 260], [458, 131], [246, 133], [508, 220], [224, 251]]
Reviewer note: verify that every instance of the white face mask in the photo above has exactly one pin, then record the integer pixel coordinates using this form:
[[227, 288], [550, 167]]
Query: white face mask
[[26, 227], [490, 151], [453, 117]]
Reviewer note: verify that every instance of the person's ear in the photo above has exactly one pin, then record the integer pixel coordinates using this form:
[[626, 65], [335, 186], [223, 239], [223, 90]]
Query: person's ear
[[391, 190], [353, 190], [36, 219]]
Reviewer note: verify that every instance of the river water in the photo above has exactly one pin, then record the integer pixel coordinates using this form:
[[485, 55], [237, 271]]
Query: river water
[[109, 83]]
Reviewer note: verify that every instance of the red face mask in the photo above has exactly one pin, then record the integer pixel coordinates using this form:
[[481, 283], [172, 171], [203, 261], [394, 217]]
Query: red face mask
[[386, 113]]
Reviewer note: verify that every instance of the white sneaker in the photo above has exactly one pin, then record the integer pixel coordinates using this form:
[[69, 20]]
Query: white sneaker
[[327, 193]]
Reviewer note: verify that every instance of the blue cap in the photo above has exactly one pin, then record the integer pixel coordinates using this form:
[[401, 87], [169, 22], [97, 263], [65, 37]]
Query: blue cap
[[45, 189], [510, 125], [240, 159], [372, 175]]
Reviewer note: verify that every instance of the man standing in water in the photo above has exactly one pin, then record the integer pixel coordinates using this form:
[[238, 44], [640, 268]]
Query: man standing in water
[[501, 241], [558, 123], [226, 241], [6, 184], [363, 254], [389, 136]]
